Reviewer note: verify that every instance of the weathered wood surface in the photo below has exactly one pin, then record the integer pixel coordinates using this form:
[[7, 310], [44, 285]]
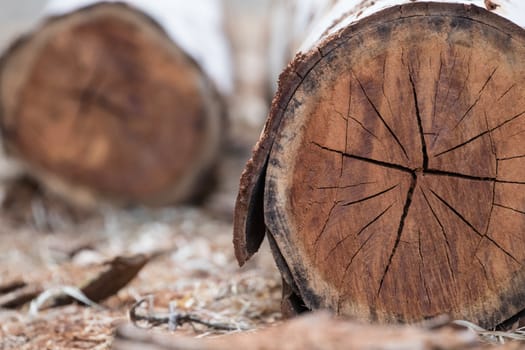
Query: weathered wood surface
[[390, 174], [100, 102]]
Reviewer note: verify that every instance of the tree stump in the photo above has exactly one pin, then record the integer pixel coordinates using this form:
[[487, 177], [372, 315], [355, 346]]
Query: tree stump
[[100, 102], [390, 178]]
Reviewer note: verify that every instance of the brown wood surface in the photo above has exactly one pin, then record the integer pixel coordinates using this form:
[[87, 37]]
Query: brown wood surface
[[394, 168], [101, 101]]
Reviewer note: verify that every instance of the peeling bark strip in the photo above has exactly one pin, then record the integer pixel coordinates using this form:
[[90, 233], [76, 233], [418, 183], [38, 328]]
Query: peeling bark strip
[[100, 102], [392, 161]]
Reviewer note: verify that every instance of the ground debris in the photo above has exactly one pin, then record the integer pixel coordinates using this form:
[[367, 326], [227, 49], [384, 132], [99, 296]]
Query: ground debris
[[313, 331], [119, 272], [20, 296], [195, 272], [175, 319]]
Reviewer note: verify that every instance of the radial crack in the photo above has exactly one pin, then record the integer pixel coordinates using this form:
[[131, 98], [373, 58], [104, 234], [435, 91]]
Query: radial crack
[[348, 108], [483, 268], [419, 122], [507, 253], [509, 182], [422, 265], [459, 175], [481, 135], [345, 187], [507, 91], [325, 225], [406, 208], [347, 267], [511, 158], [457, 213], [434, 102], [381, 117], [509, 208], [480, 94], [443, 232], [363, 127], [360, 231], [383, 86], [369, 197], [364, 159]]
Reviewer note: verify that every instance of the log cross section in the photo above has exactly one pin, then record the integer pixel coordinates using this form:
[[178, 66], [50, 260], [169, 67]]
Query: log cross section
[[394, 188]]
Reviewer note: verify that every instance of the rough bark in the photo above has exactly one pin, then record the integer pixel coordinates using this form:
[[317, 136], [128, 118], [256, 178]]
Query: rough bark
[[390, 172], [100, 102]]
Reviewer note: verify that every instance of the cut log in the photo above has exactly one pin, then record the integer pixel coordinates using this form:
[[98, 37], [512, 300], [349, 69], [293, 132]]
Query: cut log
[[390, 175], [103, 102]]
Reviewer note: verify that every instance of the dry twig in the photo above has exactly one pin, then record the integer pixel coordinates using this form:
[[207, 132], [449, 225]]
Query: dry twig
[[174, 319]]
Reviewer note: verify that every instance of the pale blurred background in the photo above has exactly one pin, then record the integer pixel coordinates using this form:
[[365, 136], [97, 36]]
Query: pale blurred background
[[20, 15], [247, 27]]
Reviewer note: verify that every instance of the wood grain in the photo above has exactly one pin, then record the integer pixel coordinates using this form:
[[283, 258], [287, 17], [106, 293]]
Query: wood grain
[[394, 167]]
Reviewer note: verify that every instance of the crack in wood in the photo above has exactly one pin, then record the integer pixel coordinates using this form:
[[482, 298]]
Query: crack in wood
[[364, 128], [437, 172], [435, 96], [383, 86], [490, 239], [376, 110], [483, 236], [509, 182], [348, 107], [325, 225], [404, 215], [509, 208], [507, 91], [483, 268], [370, 197], [364, 159], [510, 158], [401, 168], [421, 267], [457, 213], [374, 220], [519, 115], [493, 149], [434, 102], [419, 121], [336, 202], [343, 187], [444, 234], [480, 94], [349, 264]]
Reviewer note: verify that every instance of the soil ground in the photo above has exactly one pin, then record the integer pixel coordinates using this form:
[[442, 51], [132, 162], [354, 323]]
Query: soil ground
[[45, 246]]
